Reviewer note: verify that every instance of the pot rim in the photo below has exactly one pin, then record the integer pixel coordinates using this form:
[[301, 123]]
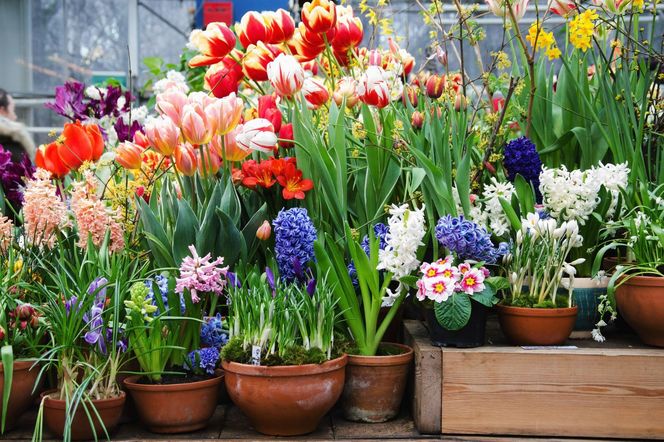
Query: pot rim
[[132, 384], [538, 312], [644, 280], [100, 404], [285, 370], [386, 360], [21, 364]]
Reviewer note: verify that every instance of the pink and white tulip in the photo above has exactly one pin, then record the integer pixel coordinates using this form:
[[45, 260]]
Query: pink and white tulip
[[257, 134], [163, 135]]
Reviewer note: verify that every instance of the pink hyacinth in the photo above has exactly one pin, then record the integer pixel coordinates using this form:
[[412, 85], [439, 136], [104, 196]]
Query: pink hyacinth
[[93, 217], [200, 275], [44, 213], [6, 233]]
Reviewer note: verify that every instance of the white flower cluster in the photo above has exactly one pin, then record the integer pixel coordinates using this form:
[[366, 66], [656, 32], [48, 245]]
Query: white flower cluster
[[575, 194], [174, 80], [488, 212], [399, 257]]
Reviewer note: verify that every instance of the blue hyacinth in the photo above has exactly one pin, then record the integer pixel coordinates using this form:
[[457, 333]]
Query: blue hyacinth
[[468, 240], [213, 333], [162, 284], [294, 235], [204, 360], [380, 231], [521, 157]]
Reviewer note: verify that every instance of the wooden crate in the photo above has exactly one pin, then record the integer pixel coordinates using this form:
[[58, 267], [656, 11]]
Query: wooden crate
[[610, 390]]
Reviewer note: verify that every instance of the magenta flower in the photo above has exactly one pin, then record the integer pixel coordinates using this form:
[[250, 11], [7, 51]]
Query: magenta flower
[[200, 275]]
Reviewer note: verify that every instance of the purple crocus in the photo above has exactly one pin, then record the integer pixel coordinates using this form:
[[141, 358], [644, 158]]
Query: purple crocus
[[13, 175], [94, 319]]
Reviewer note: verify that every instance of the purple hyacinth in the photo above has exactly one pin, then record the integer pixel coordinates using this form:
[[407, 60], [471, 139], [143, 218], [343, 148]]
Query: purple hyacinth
[[205, 360], [69, 101], [521, 158], [295, 235], [467, 239]]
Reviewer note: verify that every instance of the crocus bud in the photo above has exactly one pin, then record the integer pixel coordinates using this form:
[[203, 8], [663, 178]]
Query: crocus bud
[[435, 86], [185, 159], [286, 75], [319, 15], [286, 136], [346, 88], [315, 93], [417, 120], [264, 231], [373, 88], [129, 155], [257, 134], [163, 134], [252, 29]]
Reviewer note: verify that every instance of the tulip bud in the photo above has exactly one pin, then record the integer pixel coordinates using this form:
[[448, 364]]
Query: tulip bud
[[163, 134], [435, 86], [264, 231], [346, 88], [490, 168], [34, 321], [209, 164], [129, 155], [497, 101], [286, 136], [185, 159], [23, 311], [286, 75], [141, 140], [441, 56], [409, 95], [257, 135], [460, 103], [319, 15], [375, 58], [417, 120], [315, 93], [196, 128], [3, 333]]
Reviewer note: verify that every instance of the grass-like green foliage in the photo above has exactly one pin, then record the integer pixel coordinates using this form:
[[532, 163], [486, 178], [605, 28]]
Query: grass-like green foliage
[[291, 326]]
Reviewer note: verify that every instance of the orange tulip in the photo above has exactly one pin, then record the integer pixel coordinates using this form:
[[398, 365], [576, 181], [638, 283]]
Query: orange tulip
[[185, 159], [209, 164], [129, 155], [319, 15], [47, 158], [163, 134], [79, 144], [225, 113], [214, 44], [196, 128], [229, 149]]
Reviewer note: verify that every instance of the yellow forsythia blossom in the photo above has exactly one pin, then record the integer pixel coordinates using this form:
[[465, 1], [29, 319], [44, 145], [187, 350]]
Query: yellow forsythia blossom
[[581, 29], [540, 39]]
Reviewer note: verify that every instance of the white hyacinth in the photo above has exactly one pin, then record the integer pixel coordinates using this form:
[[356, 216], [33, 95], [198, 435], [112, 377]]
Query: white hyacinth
[[399, 257]]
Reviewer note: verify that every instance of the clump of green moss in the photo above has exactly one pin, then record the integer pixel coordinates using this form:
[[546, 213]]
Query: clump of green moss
[[296, 355], [525, 301], [235, 352]]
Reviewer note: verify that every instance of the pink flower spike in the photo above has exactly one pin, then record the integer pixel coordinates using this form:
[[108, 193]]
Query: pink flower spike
[[200, 275]]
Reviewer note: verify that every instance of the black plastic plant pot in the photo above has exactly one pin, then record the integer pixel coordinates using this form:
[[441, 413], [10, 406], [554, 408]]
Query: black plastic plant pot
[[470, 335]]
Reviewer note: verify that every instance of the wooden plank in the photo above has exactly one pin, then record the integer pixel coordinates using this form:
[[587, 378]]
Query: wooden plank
[[588, 392], [427, 382]]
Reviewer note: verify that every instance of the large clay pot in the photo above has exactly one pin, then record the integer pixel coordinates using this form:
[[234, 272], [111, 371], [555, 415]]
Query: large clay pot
[[536, 326], [640, 301], [109, 410], [470, 335], [375, 385], [175, 408], [20, 397], [285, 400]]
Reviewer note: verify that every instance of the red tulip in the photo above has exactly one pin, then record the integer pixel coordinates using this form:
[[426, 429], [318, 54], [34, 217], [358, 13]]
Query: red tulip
[[349, 30], [286, 138], [497, 101], [47, 158], [267, 108], [417, 120], [281, 24], [373, 88], [410, 94], [252, 29], [215, 43], [319, 15], [224, 78], [435, 86], [315, 93]]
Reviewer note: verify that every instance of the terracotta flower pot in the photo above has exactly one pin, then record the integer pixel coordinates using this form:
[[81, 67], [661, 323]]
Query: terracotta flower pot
[[175, 408], [21, 396], [640, 301], [109, 410], [375, 385], [536, 326], [285, 400]]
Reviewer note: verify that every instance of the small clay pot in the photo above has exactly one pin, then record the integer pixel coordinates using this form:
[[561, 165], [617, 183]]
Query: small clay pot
[[640, 301], [20, 396], [175, 408], [109, 410], [536, 326], [375, 385], [285, 400]]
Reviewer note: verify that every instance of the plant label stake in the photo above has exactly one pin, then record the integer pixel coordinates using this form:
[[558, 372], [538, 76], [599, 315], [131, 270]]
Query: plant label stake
[[255, 355]]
